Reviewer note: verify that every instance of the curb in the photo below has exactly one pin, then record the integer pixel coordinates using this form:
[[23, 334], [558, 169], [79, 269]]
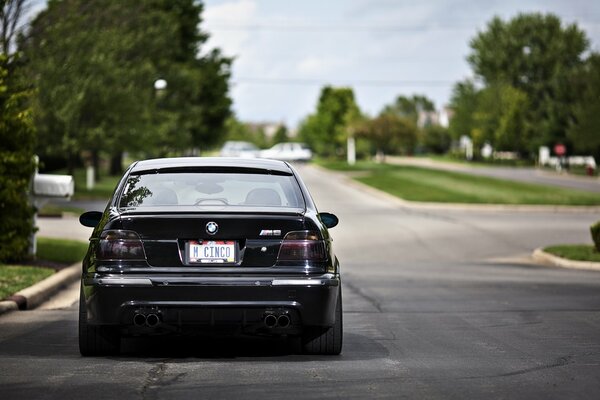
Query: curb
[[547, 258], [526, 208], [31, 297]]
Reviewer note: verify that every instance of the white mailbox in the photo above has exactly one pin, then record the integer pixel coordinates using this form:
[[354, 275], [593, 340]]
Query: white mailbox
[[53, 186], [46, 187]]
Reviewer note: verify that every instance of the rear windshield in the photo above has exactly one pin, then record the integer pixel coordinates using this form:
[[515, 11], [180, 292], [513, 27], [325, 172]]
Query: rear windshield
[[211, 189]]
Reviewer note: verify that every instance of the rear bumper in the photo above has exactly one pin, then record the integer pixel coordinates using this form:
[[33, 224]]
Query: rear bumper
[[214, 301]]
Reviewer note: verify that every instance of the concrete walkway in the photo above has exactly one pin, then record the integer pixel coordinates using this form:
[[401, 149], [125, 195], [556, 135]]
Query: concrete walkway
[[520, 174]]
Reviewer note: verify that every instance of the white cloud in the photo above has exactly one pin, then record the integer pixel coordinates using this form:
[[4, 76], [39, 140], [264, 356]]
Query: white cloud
[[233, 13], [314, 66]]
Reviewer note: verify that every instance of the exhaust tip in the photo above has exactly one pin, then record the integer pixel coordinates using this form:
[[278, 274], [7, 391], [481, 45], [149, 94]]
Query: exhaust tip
[[152, 320], [283, 321], [139, 319], [270, 321]]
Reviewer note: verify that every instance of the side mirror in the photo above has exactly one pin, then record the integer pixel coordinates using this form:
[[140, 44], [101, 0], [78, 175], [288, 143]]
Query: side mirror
[[90, 218], [328, 219]]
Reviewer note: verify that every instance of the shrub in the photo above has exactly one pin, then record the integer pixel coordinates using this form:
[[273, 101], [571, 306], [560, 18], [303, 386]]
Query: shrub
[[16, 166], [595, 230]]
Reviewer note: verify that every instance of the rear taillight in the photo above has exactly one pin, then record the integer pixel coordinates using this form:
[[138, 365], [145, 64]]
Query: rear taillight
[[120, 245], [302, 246]]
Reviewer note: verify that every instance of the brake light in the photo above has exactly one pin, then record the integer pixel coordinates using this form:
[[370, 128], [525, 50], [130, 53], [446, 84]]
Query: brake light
[[120, 245], [302, 246]]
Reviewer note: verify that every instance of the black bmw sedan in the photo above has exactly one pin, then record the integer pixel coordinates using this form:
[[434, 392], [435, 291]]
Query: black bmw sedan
[[210, 246]]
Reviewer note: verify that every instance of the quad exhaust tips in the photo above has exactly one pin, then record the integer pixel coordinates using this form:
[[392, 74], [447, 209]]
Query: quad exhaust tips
[[283, 321], [139, 320], [279, 321], [150, 320], [270, 321]]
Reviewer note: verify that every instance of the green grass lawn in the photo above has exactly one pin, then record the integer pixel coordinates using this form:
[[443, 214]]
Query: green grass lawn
[[431, 185], [56, 210], [16, 277], [579, 252], [103, 188], [60, 250]]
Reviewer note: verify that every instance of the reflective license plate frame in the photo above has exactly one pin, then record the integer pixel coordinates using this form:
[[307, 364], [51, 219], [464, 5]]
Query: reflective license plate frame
[[206, 252]]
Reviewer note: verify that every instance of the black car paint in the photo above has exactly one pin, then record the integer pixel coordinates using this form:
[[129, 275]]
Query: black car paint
[[202, 297]]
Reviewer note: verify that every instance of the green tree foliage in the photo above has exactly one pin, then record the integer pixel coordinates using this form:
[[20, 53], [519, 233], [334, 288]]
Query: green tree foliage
[[409, 107], [584, 131], [237, 130], [436, 139], [326, 131], [17, 138], [534, 54], [463, 104], [95, 64], [500, 119], [389, 133], [281, 135], [595, 231]]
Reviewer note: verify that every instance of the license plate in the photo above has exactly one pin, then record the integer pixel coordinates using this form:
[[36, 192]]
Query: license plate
[[212, 251]]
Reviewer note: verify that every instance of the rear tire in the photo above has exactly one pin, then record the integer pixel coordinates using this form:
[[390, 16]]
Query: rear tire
[[325, 341], [96, 340]]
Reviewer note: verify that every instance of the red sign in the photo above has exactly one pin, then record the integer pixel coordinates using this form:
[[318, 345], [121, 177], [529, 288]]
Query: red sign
[[560, 149]]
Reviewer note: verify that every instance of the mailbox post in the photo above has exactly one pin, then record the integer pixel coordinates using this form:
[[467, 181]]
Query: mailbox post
[[46, 187]]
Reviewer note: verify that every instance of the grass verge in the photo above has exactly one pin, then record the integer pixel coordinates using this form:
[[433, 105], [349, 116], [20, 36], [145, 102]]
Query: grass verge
[[16, 277], [53, 252], [103, 188], [577, 252], [57, 210], [431, 185], [62, 251]]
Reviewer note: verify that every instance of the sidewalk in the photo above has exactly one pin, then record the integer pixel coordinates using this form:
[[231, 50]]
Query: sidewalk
[[520, 174]]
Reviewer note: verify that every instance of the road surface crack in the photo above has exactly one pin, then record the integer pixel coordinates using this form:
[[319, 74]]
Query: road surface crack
[[360, 293], [559, 362], [157, 379]]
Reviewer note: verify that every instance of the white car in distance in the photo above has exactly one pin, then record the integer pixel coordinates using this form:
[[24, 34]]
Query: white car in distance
[[238, 148], [290, 151]]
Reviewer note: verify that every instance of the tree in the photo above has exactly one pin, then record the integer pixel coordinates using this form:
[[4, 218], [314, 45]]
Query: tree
[[436, 139], [410, 107], [464, 106], [17, 140], [389, 133], [11, 14], [326, 131], [16, 165], [584, 131], [281, 135], [95, 64], [534, 54]]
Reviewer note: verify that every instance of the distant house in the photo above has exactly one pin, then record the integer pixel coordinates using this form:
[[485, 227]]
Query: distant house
[[428, 118], [269, 128]]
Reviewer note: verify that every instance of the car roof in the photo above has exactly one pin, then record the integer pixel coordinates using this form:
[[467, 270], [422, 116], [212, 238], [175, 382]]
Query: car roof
[[211, 162]]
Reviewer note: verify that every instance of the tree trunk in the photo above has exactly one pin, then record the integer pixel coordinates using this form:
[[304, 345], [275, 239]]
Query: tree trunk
[[116, 164], [96, 164], [71, 163]]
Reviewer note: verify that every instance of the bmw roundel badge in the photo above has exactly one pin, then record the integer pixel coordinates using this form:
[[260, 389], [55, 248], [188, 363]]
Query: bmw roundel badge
[[212, 228]]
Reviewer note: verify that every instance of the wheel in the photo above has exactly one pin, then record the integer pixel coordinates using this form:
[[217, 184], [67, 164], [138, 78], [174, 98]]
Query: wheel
[[96, 340], [326, 341]]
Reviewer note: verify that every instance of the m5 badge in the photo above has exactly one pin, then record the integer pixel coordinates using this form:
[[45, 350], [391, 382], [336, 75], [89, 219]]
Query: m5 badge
[[270, 232]]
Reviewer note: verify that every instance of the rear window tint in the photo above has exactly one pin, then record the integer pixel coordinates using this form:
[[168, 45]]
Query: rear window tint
[[211, 189]]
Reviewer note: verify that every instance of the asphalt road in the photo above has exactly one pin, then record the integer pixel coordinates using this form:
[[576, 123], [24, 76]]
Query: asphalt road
[[437, 304]]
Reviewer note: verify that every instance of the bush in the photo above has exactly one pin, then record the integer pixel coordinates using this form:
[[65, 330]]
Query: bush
[[16, 166], [595, 230]]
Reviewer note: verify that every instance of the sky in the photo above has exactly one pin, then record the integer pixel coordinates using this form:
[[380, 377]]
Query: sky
[[286, 51]]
